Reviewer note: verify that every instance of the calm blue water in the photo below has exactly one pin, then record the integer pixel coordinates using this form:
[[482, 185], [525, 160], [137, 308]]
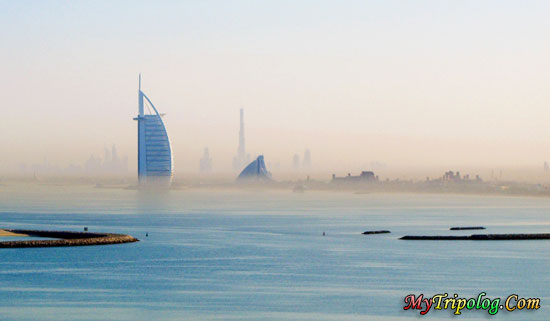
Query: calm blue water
[[249, 255]]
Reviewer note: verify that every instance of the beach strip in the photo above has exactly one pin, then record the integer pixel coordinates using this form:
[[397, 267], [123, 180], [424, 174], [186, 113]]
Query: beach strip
[[8, 233]]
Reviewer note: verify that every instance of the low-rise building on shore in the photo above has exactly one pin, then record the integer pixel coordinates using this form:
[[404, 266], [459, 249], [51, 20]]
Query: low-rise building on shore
[[364, 177]]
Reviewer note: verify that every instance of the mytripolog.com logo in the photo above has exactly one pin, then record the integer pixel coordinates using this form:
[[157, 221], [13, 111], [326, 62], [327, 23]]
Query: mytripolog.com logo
[[443, 302]]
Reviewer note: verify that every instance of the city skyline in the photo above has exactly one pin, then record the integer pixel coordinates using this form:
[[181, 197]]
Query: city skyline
[[382, 85]]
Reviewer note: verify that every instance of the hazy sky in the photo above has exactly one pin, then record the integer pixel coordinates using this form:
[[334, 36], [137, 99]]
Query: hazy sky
[[406, 83]]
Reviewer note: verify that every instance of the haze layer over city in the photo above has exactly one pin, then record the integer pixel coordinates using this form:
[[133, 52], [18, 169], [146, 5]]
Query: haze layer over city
[[401, 88]]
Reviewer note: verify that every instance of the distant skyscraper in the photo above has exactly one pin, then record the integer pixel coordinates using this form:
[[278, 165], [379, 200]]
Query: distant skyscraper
[[296, 162], [154, 151], [114, 156], [306, 163], [205, 164], [93, 165], [111, 163], [242, 159], [107, 153]]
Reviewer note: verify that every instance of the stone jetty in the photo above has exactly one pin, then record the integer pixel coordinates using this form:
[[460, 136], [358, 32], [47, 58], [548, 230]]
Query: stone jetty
[[481, 237], [67, 238]]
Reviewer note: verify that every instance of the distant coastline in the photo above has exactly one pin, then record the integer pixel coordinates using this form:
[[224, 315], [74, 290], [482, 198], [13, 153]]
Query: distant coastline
[[341, 184]]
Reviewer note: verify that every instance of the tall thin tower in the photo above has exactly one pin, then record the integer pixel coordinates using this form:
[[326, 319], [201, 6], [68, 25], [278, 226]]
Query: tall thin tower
[[242, 159], [241, 151]]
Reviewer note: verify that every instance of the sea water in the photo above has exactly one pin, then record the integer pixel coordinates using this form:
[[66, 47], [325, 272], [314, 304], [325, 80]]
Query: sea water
[[261, 255]]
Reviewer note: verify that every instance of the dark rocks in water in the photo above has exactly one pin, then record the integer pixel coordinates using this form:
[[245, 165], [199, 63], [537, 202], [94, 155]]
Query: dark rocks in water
[[435, 237], [481, 237], [497, 237], [376, 232], [67, 238], [460, 228]]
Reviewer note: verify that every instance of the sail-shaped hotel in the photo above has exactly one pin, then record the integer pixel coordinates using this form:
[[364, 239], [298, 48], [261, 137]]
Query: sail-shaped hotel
[[154, 150]]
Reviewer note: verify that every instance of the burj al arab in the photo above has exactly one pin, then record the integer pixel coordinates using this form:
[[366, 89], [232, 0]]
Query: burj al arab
[[155, 163]]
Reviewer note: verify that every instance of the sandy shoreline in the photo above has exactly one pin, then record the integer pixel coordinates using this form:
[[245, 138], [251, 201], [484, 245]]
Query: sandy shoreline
[[7, 233]]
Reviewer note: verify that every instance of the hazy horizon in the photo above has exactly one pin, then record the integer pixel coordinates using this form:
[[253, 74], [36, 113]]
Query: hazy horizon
[[411, 86]]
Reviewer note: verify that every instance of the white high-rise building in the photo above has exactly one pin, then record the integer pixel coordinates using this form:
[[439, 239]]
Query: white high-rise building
[[154, 150]]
